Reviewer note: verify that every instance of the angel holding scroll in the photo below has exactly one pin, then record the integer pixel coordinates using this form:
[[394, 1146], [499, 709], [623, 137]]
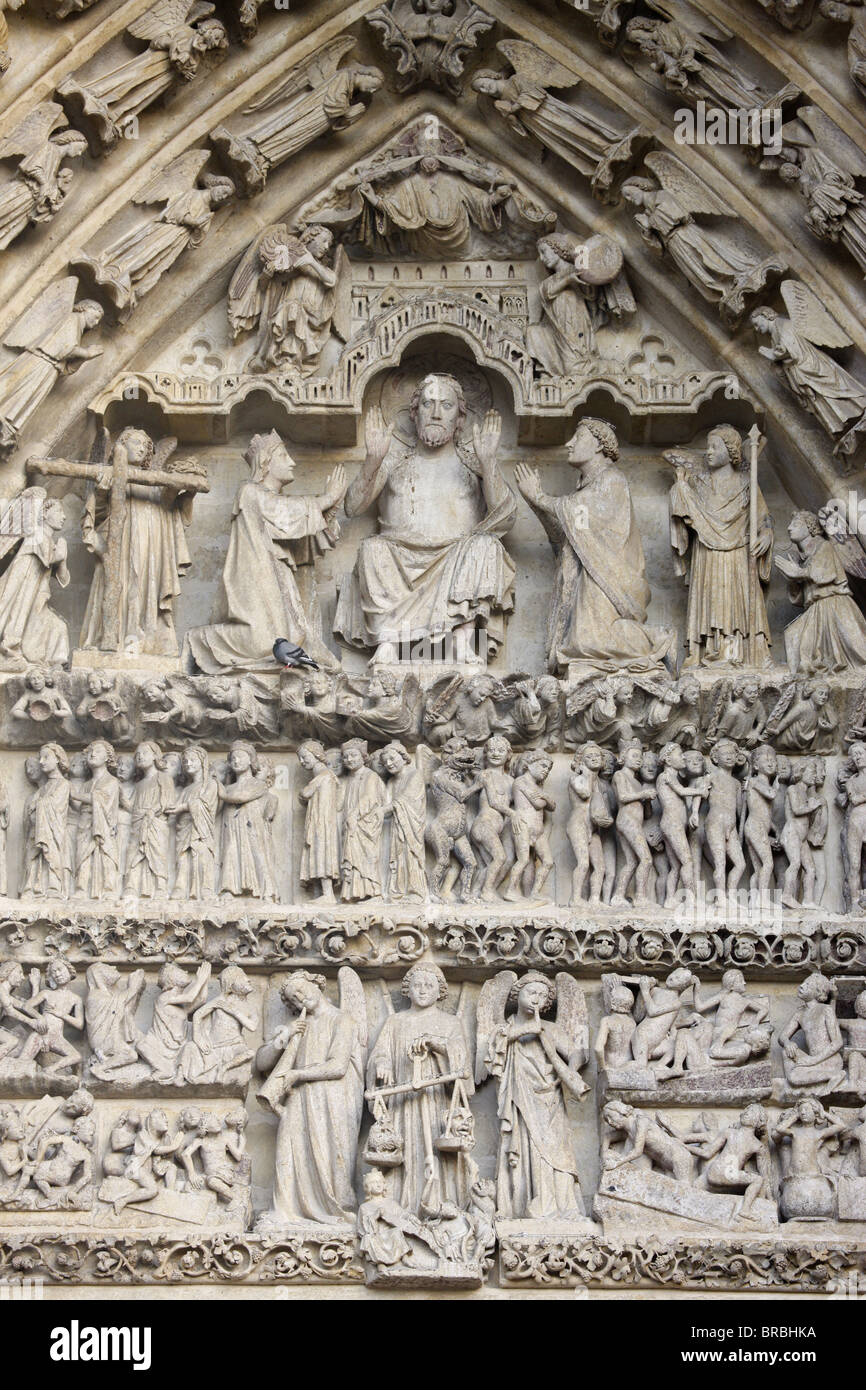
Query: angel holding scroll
[[537, 1062], [830, 635]]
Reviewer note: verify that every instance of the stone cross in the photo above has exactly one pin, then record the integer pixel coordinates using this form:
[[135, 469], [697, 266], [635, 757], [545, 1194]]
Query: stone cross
[[118, 475]]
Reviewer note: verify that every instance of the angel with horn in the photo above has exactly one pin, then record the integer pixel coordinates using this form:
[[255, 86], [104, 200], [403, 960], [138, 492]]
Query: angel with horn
[[830, 634], [40, 184], [285, 288], [316, 1088], [826, 390], [312, 99], [537, 1061], [722, 270], [580, 137], [133, 264]]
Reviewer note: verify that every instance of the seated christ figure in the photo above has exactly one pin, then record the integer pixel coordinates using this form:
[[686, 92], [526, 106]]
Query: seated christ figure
[[437, 571]]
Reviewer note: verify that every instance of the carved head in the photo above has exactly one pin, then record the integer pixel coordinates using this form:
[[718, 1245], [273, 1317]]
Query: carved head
[[816, 987], [534, 992], [90, 311], [803, 525], [374, 1183], [438, 409], [497, 751], [366, 79], [267, 456], [394, 757], [59, 973], [302, 990], [100, 754], [243, 758], [193, 761], [311, 754], [635, 191], [724, 446], [52, 757], [591, 439], [733, 980], [354, 752], [137, 445], [488, 82], [424, 984], [234, 981]]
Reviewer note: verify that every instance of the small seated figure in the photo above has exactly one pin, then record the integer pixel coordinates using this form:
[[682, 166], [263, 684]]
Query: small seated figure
[[819, 1065]]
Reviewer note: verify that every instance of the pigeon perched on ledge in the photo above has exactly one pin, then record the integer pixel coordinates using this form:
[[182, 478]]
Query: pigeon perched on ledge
[[289, 656]]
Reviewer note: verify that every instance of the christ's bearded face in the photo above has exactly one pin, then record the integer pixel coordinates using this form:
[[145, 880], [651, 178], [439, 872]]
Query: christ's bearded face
[[437, 414]]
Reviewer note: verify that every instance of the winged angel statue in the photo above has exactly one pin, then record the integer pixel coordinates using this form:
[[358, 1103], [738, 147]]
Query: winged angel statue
[[822, 387], [312, 99], [40, 184], [130, 266], [285, 288], [582, 138], [830, 635], [721, 269], [316, 1088], [537, 1061], [178, 34], [682, 47]]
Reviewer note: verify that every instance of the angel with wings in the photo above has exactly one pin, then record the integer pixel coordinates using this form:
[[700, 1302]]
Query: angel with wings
[[39, 185], [829, 637], [132, 264], [582, 138], [682, 47], [537, 1061], [285, 288], [178, 34], [316, 1088], [48, 337], [722, 270], [822, 387], [584, 288], [153, 552], [314, 98], [825, 165]]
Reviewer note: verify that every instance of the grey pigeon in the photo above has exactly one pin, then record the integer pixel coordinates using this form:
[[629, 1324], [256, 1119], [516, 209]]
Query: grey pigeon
[[289, 656]]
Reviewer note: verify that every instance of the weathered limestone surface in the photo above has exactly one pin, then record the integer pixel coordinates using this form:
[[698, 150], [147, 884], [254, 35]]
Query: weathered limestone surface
[[432, 649]]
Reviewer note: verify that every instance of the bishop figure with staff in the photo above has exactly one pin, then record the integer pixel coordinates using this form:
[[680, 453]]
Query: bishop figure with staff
[[133, 522], [722, 538]]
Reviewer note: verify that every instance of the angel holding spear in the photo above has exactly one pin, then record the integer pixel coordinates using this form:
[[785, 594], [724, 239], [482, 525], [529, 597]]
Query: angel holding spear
[[718, 513]]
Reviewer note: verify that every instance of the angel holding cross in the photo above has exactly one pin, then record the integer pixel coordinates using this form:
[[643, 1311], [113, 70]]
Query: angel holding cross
[[137, 538]]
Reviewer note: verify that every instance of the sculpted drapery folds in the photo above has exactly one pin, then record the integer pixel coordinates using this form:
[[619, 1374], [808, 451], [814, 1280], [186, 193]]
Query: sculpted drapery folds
[[537, 1062], [131, 265], [583, 139], [272, 536], [437, 566], [153, 555], [313, 99], [599, 606], [29, 630], [709, 515], [41, 182], [419, 1044], [830, 635], [285, 288], [316, 1087]]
